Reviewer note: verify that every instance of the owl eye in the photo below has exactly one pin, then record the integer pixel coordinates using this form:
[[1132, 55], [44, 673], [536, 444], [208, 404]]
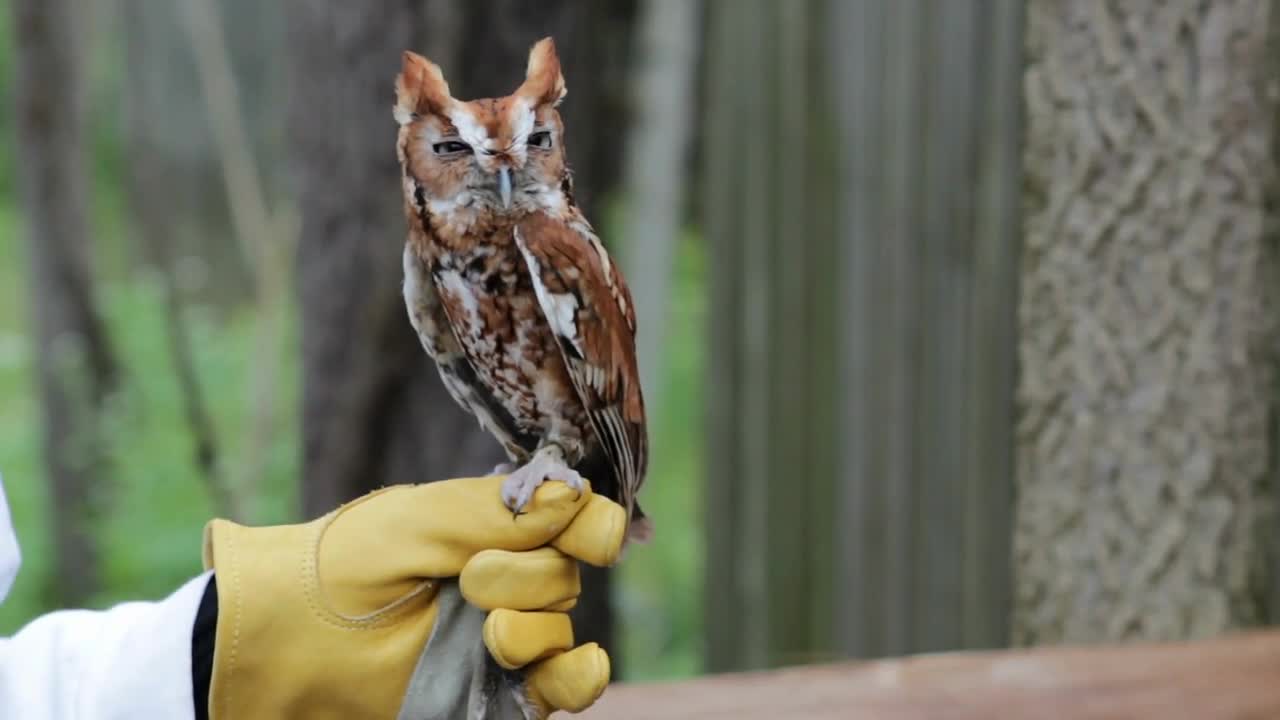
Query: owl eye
[[541, 139], [450, 147]]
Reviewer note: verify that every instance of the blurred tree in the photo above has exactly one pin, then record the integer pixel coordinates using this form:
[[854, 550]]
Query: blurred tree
[[1147, 321], [860, 186], [153, 184], [657, 168], [168, 131], [76, 365], [374, 411]]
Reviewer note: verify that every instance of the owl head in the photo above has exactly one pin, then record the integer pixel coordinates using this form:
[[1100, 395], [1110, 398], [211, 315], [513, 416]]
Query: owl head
[[503, 155]]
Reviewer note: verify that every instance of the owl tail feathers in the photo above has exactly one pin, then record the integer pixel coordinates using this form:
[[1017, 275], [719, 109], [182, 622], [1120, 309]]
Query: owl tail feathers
[[641, 528]]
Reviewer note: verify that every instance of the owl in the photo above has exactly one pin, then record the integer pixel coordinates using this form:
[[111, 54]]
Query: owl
[[529, 321]]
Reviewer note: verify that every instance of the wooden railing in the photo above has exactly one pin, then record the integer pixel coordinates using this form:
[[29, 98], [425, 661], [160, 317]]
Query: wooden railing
[[1230, 678]]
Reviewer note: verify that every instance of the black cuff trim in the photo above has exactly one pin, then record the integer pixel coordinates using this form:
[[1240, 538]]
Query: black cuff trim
[[202, 637]]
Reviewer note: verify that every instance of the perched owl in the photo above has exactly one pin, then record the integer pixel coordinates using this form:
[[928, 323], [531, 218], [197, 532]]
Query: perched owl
[[528, 320]]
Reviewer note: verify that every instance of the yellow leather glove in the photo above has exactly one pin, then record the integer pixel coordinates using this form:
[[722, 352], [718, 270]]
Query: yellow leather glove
[[329, 619]]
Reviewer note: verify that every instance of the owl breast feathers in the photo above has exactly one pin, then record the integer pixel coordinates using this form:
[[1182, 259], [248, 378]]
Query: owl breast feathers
[[512, 294]]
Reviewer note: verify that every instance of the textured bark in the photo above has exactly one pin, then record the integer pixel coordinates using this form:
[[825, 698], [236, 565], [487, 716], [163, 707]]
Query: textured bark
[[374, 411], [76, 366], [1146, 387]]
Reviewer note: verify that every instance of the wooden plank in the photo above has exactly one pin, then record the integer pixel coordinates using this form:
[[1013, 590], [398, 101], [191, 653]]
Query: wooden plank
[[851, 492], [786, 87], [926, 99], [723, 605], [988, 476], [754, 311], [855, 43], [1228, 678], [899, 332], [945, 239]]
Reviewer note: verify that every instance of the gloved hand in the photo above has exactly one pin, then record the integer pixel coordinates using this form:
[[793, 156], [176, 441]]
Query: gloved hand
[[329, 619]]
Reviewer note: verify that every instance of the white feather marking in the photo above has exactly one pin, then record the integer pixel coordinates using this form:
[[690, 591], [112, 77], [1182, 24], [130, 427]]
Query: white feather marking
[[605, 264], [417, 303], [565, 309], [612, 420], [403, 115], [521, 120], [456, 204], [560, 309], [471, 132], [453, 284]]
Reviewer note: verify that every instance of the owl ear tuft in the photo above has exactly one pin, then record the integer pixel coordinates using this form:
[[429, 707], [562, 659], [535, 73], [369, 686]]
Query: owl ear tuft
[[420, 88], [543, 82]]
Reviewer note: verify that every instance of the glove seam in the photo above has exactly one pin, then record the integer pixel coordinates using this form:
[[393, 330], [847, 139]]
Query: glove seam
[[237, 616], [385, 616]]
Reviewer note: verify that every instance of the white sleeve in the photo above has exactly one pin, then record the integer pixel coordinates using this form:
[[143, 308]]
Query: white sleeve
[[10, 556], [130, 661]]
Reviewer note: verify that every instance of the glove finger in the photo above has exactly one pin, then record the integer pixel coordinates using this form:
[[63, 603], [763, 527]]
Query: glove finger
[[596, 533], [516, 638], [570, 681], [534, 580], [432, 530]]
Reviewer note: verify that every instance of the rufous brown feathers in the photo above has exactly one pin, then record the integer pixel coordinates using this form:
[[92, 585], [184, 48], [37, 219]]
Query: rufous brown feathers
[[420, 88], [543, 82]]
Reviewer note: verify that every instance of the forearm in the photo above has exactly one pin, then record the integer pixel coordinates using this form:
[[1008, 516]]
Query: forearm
[[131, 661]]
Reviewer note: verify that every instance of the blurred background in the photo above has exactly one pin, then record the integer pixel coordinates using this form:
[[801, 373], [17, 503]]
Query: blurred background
[[956, 318]]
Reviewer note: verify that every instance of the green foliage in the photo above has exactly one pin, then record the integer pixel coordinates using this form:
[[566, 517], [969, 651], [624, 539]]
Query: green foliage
[[155, 503], [661, 597]]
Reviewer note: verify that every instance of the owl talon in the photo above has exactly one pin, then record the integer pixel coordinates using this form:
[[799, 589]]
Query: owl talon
[[518, 488]]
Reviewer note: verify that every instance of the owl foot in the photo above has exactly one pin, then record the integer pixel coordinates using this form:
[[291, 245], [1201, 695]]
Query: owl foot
[[520, 484], [503, 469]]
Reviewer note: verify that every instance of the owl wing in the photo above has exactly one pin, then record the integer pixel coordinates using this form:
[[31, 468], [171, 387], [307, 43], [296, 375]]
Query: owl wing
[[589, 309], [430, 319]]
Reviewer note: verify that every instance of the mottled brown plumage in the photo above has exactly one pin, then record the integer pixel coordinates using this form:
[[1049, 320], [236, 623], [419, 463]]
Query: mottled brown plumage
[[528, 319]]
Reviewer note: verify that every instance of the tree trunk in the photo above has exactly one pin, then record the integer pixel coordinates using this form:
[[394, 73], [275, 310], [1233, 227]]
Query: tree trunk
[[374, 411], [76, 366], [157, 214], [1146, 389], [168, 129]]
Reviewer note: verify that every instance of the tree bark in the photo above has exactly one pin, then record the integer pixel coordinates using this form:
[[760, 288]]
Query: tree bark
[[76, 366], [1147, 383], [374, 411]]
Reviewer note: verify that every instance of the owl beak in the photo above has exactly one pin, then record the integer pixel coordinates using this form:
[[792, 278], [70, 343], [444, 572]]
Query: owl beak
[[504, 186]]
